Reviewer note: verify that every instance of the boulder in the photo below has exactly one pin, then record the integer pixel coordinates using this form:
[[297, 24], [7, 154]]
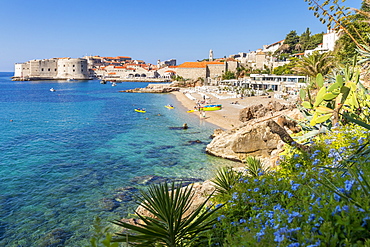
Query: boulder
[[254, 139], [259, 111]]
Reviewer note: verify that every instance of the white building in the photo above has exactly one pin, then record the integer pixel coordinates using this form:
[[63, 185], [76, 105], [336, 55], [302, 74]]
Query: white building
[[52, 69]]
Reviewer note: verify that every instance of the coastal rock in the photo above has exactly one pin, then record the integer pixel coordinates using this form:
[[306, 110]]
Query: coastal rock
[[252, 139], [154, 88], [108, 204], [152, 179], [255, 137], [55, 238], [259, 111], [217, 132]]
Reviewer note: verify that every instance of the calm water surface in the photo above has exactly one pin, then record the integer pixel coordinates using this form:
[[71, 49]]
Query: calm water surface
[[82, 151]]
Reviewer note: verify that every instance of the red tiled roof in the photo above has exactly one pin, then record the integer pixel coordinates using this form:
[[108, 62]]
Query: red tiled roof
[[196, 64]]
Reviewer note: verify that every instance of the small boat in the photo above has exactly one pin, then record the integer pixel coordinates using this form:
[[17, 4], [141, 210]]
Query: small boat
[[210, 108], [103, 82], [52, 90], [114, 84], [140, 110], [169, 106]]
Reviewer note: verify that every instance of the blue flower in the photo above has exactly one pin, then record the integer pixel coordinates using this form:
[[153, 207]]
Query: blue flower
[[337, 197], [361, 140], [241, 221], [364, 221], [256, 189], [260, 234], [288, 194], [292, 216], [294, 185], [348, 184], [296, 156], [294, 245], [298, 165], [315, 244], [235, 196], [336, 210], [345, 208], [315, 162], [278, 237], [311, 218], [328, 141], [219, 218]]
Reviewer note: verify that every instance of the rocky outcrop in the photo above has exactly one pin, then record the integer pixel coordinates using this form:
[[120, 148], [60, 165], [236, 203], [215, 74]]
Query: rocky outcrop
[[259, 111], [154, 88], [251, 139], [255, 137]]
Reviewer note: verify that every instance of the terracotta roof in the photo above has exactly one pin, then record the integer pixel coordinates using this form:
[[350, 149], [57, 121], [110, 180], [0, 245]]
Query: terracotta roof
[[196, 64], [111, 73], [170, 71]]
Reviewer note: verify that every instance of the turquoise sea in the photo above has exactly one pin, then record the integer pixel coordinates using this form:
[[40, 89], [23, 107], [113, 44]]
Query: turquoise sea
[[82, 151]]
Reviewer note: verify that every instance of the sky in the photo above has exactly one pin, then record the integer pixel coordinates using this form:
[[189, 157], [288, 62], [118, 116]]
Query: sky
[[147, 30]]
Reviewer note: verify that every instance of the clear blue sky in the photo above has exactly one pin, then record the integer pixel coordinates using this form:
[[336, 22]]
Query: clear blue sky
[[147, 30]]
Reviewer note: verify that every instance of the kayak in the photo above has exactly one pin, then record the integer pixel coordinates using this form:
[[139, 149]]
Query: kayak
[[169, 107], [140, 110], [210, 108]]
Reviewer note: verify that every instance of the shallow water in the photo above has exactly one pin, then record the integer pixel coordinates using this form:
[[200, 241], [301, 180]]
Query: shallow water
[[66, 154]]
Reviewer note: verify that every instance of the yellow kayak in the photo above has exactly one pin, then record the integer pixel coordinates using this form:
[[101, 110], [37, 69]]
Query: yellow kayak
[[140, 110], [169, 107]]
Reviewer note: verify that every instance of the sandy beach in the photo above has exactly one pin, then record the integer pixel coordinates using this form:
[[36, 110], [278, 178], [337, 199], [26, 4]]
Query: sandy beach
[[228, 116]]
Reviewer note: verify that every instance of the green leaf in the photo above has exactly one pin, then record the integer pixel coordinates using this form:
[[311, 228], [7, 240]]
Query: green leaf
[[319, 80], [363, 124], [334, 86], [330, 96], [345, 91], [323, 118], [306, 105], [339, 80], [302, 94], [320, 96]]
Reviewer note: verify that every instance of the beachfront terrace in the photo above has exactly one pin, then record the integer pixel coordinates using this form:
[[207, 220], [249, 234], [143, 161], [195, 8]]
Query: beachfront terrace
[[277, 83]]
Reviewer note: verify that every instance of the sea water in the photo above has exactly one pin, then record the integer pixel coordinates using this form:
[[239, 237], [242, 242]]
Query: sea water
[[82, 151]]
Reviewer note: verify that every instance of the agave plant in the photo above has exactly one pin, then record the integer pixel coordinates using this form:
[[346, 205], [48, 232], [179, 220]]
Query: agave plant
[[169, 226], [225, 179], [255, 166]]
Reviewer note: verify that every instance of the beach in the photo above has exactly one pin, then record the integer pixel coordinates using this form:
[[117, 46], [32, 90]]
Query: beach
[[226, 118]]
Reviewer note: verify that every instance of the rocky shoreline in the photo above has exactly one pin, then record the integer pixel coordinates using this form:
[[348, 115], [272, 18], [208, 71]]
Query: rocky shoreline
[[154, 88]]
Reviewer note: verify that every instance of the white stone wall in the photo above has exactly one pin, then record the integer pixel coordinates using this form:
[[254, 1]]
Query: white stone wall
[[215, 70], [48, 68], [191, 73], [72, 68]]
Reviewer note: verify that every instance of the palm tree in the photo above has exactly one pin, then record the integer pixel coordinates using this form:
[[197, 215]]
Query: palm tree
[[315, 64], [169, 226]]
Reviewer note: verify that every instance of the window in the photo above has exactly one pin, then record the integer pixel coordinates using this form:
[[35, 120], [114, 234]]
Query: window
[[73, 65], [74, 70], [42, 69], [48, 69]]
